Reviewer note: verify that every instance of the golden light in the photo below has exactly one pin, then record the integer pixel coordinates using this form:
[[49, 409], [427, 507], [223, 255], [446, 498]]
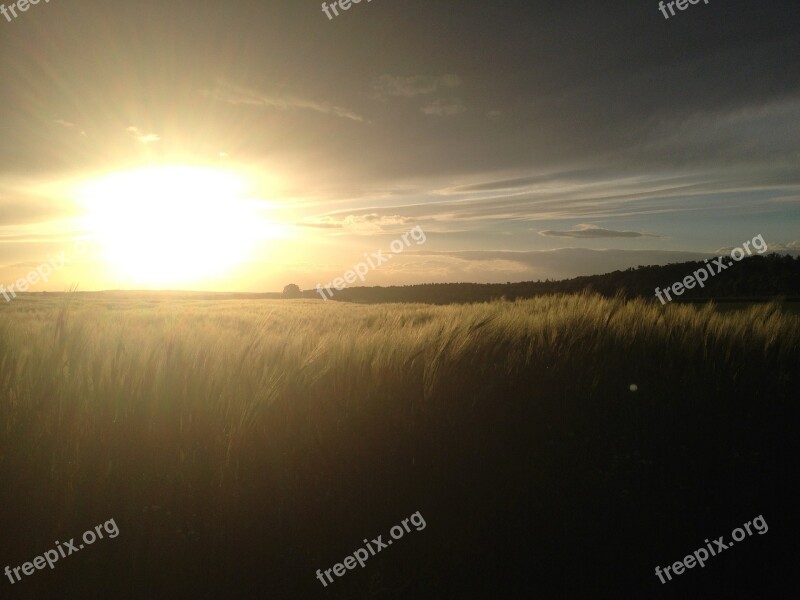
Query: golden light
[[173, 225]]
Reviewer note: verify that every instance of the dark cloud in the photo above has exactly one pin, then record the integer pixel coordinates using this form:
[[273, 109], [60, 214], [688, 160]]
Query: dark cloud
[[582, 84], [593, 231]]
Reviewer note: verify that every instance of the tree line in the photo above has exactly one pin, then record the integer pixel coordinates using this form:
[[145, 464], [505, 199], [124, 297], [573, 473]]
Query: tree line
[[753, 278]]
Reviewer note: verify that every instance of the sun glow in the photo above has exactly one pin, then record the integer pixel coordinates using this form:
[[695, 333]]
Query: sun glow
[[173, 225]]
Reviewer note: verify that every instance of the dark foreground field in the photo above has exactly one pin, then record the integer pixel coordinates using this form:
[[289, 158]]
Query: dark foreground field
[[239, 446]]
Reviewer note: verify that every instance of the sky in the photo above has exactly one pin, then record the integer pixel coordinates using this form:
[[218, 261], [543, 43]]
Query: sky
[[244, 145]]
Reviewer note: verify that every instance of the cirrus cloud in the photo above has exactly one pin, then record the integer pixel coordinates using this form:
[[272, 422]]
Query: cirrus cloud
[[363, 224], [445, 107], [414, 85], [241, 96]]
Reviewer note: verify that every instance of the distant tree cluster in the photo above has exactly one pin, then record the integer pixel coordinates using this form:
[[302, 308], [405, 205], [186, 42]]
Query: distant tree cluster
[[765, 276], [292, 291]]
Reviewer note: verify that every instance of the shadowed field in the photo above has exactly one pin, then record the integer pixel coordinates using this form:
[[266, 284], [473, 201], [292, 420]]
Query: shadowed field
[[241, 445]]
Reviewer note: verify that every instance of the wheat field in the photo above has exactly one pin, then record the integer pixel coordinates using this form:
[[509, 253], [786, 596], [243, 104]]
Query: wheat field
[[241, 445]]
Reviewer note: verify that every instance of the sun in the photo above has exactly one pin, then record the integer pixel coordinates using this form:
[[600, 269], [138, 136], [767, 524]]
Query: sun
[[172, 225]]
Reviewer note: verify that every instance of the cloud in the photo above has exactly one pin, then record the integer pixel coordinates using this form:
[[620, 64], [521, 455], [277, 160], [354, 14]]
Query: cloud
[[606, 195], [321, 225], [792, 248], [378, 219], [387, 86], [29, 264], [593, 231], [528, 181], [445, 107], [362, 224], [68, 125], [144, 138], [564, 262], [241, 96], [415, 85]]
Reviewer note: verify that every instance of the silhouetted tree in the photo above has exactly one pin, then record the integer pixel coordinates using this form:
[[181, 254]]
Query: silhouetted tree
[[292, 291]]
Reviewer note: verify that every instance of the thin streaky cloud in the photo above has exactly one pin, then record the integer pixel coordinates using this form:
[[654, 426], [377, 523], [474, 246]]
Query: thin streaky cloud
[[411, 86], [366, 224], [144, 138], [242, 96], [445, 107]]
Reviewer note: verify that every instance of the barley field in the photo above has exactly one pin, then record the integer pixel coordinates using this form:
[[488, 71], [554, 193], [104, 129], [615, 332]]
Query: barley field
[[557, 445]]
